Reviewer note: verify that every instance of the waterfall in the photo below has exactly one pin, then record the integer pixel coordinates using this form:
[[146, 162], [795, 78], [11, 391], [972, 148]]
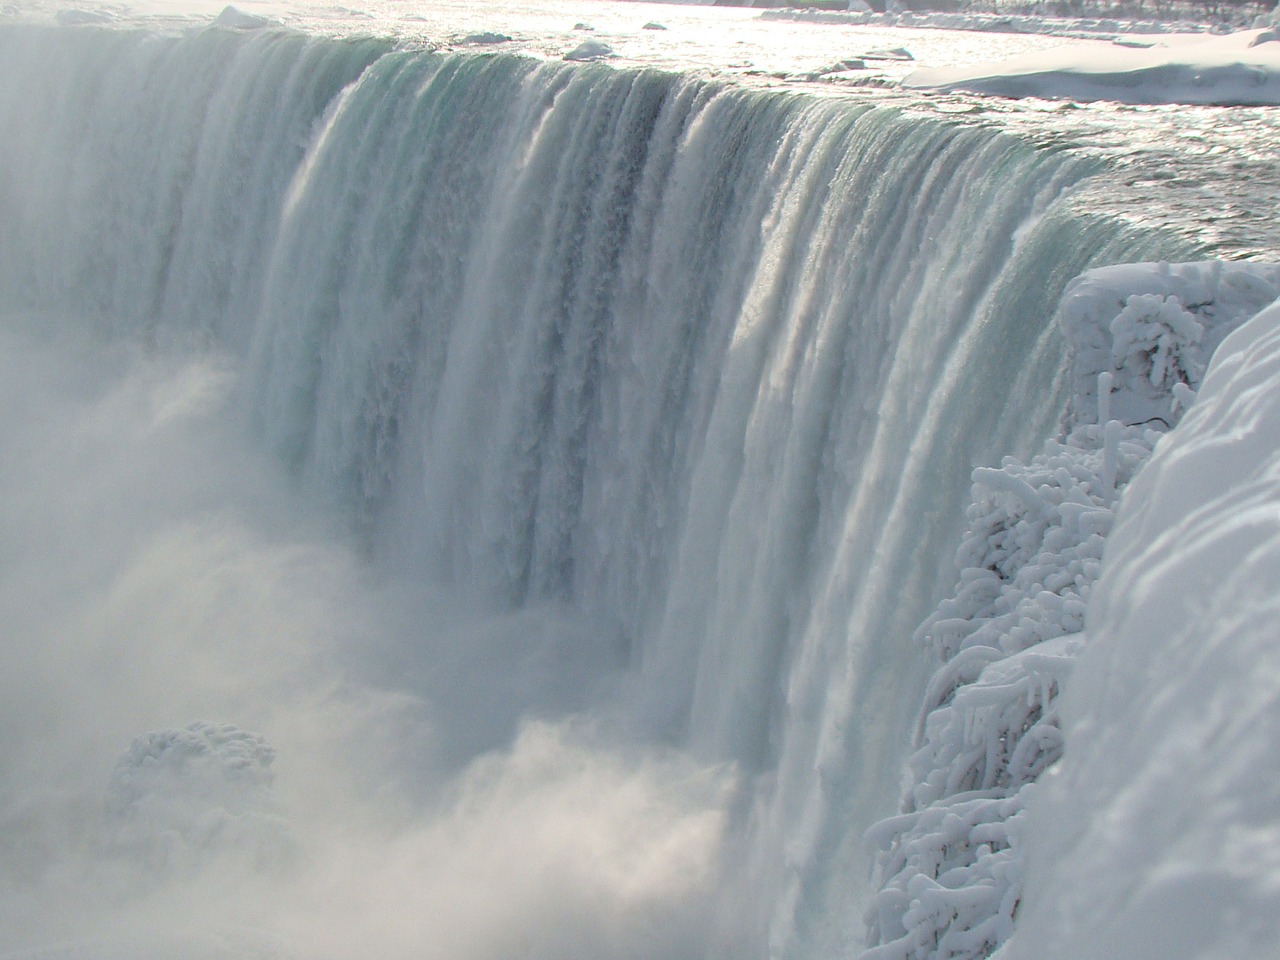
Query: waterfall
[[703, 369]]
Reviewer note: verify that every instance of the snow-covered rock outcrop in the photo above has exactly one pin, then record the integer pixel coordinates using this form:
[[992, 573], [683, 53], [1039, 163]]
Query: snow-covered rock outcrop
[[181, 798]]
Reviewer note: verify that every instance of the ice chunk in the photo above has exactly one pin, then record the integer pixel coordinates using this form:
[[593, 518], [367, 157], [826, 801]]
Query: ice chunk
[[482, 39], [591, 50], [76, 18], [180, 798], [239, 20], [893, 53]]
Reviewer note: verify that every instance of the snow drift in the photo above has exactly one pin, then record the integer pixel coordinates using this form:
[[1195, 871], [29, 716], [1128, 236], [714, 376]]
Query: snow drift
[[1242, 68]]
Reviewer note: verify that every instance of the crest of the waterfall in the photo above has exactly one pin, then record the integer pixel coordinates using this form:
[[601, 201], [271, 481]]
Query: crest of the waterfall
[[704, 371]]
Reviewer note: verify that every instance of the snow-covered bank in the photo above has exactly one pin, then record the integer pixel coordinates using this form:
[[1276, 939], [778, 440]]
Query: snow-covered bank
[[1239, 69], [1161, 825], [955, 857]]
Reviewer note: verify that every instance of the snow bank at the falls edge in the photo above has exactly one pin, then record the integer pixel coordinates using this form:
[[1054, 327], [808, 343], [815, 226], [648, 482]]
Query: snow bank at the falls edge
[[955, 860]]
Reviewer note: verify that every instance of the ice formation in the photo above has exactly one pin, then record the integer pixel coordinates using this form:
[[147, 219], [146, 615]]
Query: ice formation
[[236, 19], [1160, 823], [590, 50], [1008, 639], [179, 799]]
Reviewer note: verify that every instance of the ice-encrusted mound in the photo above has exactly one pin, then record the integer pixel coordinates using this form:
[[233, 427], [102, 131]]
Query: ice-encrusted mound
[[181, 798], [951, 874], [1152, 326], [235, 19], [81, 18], [590, 50], [952, 863]]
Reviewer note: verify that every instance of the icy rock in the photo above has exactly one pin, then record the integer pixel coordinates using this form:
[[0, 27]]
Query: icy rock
[[181, 798], [653, 25], [591, 50], [482, 39], [832, 71], [1153, 327], [895, 53]]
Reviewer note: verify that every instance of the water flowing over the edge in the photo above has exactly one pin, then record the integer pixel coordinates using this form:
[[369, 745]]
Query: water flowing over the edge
[[707, 368]]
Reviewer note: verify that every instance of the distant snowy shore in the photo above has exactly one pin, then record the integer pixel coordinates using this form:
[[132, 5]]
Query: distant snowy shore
[[1238, 69]]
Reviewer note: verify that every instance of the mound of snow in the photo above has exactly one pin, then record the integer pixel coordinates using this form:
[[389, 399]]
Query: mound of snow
[[484, 39], [892, 53], [835, 69], [235, 19], [1241, 68], [1151, 327], [180, 798]]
